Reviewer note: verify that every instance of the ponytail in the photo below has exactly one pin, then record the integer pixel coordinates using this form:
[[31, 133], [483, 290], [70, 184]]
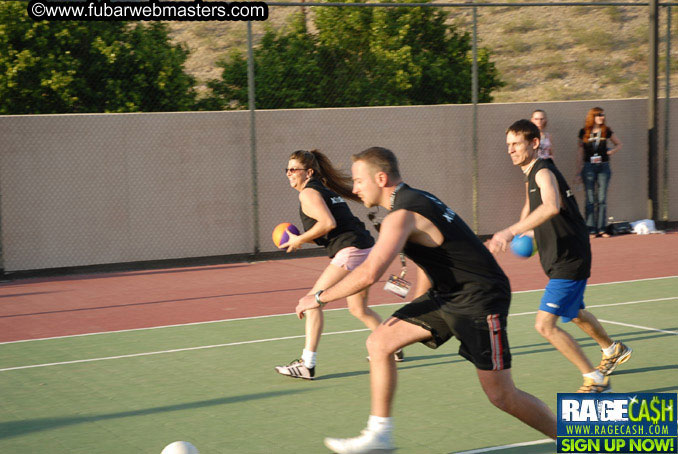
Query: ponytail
[[323, 169]]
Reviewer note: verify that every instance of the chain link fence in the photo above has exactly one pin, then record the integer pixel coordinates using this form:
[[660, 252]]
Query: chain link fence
[[95, 189]]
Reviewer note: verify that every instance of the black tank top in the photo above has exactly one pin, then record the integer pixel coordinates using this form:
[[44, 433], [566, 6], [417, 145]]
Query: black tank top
[[462, 270], [350, 231], [563, 240], [595, 144]]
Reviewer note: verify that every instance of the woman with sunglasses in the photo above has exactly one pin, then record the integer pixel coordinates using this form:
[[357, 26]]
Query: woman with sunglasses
[[594, 164], [328, 222]]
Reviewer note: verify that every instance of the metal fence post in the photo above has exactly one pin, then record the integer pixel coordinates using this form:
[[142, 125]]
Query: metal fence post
[[2, 261], [667, 122], [653, 169], [253, 138], [474, 100]]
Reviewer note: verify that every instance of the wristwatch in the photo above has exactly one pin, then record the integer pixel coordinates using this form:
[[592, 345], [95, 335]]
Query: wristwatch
[[317, 298]]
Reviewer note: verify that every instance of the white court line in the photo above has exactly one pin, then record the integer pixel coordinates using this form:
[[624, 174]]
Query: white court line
[[292, 313], [514, 445], [639, 327], [548, 440], [176, 350], [657, 300], [230, 344]]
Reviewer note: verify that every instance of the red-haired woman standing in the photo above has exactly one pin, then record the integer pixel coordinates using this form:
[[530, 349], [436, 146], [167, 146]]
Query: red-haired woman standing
[[594, 159]]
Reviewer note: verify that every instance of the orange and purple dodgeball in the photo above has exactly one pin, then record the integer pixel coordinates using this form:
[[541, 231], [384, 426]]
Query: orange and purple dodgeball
[[280, 235]]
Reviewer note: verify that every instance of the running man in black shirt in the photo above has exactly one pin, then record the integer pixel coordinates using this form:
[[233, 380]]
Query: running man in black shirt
[[565, 252], [328, 222], [468, 298]]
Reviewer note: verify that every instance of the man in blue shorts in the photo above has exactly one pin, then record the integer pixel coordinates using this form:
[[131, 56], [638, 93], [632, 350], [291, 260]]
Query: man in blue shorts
[[565, 252]]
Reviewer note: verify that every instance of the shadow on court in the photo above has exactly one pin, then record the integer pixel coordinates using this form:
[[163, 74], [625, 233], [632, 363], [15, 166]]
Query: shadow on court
[[15, 295], [150, 303], [354, 373], [106, 272], [426, 362], [627, 338], [546, 447], [659, 390], [16, 428], [516, 350], [647, 369]]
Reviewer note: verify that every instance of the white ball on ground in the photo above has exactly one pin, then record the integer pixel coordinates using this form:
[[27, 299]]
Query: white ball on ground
[[180, 447]]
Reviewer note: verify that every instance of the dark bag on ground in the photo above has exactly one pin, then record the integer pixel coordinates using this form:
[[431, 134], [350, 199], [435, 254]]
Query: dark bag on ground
[[619, 228]]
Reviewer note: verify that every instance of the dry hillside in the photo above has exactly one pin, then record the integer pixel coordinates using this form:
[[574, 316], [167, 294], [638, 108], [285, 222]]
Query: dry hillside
[[542, 53]]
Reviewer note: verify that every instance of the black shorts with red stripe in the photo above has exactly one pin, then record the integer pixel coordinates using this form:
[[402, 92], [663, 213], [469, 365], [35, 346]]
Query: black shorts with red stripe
[[484, 340]]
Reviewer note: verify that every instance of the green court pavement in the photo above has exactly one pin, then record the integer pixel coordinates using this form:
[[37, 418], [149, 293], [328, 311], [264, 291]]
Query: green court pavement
[[213, 384]]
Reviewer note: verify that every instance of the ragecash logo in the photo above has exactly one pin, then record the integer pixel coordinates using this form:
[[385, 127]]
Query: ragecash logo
[[618, 423]]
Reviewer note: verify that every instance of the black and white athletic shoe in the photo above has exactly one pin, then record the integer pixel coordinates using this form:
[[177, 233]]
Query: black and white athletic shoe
[[398, 356], [296, 369], [621, 354]]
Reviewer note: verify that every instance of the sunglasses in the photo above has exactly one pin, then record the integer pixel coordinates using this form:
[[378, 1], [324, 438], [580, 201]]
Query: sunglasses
[[292, 170], [600, 115]]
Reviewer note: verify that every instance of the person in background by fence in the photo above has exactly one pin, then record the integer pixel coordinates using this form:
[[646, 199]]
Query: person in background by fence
[[545, 144], [594, 165], [551, 211], [327, 221]]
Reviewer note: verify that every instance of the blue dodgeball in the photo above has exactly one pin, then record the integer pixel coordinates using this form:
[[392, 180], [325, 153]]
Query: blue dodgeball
[[523, 246]]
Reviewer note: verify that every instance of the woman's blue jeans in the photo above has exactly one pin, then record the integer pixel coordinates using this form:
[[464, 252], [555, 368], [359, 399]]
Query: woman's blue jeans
[[596, 180]]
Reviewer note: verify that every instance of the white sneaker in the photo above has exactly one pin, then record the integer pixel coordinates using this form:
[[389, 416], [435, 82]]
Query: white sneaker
[[368, 442], [296, 369]]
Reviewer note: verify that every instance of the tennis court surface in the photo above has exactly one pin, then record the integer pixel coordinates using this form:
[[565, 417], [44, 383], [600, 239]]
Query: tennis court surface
[[129, 362]]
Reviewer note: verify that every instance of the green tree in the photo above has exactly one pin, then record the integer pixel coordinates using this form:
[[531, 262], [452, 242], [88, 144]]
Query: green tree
[[284, 65], [75, 66], [359, 57]]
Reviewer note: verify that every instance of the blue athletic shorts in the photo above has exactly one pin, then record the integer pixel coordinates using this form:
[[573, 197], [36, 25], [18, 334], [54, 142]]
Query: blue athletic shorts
[[563, 297]]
